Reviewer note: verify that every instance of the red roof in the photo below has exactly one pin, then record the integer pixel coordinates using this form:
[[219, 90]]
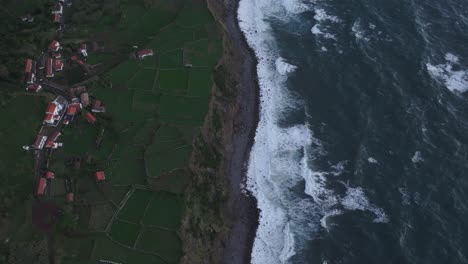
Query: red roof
[[57, 18], [90, 118], [54, 136], [51, 108], [100, 176], [54, 45], [73, 108], [49, 71], [144, 52], [28, 67], [58, 65], [49, 118], [39, 143], [41, 185], [34, 87], [50, 175]]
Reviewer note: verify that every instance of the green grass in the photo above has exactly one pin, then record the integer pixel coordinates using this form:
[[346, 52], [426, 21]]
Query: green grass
[[21, 118], [127, 170], [194, 14], [164, 211], [123, 72], [171, 59], [142, 80], [80, 138], [135, 207], [173, 81], [165, 243], [118, 193], [168, 151], [200, 82], [124, 232], [183, 110], [203, 53], [105, 249], [172, 37], [145, 101]]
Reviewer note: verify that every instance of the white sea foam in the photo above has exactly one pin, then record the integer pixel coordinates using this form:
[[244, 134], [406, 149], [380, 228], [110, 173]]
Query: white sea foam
[[456, 80], [359, 31], [417, 157], [281, 157], [355, 199], [372, 160], [283, 67]]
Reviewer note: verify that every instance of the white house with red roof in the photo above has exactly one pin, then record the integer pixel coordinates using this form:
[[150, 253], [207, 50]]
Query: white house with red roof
[[54, 46], [34, 88], [49, 69], [57, 18], [52, 140], [72, 110], [38, 143], [50, 175], [144, 53], [98, 107], [41, 186], [58, 65], [28, 69], [55, 111], [100, 176]]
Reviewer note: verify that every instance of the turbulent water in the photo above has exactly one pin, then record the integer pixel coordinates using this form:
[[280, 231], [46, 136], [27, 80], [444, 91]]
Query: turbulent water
[[360, 155]]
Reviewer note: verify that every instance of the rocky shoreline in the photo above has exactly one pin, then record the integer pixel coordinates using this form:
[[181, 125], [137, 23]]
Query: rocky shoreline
[[221, 220], [241, 210]]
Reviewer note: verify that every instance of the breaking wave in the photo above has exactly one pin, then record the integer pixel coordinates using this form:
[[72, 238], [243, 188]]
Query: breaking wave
[[451, 73]]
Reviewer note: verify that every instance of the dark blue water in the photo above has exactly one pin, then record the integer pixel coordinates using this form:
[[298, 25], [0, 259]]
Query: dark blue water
[[381, 89]]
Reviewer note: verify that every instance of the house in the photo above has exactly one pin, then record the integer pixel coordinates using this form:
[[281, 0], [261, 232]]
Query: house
[[39, 142], [50, 175], [28, 67], [83, 50], [84, 99], [51, 141], [58, 65], [90, 118], [49, 70], [34, 88], [144, 53], [57, 9], [100, 176], [54, 46], [57, 55], [41, 186], [72, 110], [98, 107], [57, 18], [55, 111]]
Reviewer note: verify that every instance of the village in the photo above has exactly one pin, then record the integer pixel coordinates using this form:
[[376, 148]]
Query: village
[[70, 103], [104, 108]]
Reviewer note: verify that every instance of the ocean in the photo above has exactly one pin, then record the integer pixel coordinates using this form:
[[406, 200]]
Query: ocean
[[360, 155]]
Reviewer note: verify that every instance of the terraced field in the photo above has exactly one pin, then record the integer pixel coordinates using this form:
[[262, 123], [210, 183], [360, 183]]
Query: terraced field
[[155, 106]]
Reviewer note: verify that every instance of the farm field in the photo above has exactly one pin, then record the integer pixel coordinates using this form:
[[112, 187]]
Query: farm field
[[155, 106]]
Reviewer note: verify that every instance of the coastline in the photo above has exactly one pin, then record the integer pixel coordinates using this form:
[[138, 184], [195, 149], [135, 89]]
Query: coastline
[[241, 211]]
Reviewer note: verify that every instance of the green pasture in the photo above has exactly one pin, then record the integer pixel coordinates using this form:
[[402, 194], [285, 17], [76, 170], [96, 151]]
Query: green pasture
[[135, 206], [165, 243], [171, 59], [164, 211], [106, 249], [200, 82], [124, 232], [142, 80], [173, 81]]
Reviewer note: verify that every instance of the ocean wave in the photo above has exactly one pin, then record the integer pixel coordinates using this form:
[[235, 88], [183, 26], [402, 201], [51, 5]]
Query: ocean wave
[[283, 67], [281, 156], [355, 199], [456, 80]]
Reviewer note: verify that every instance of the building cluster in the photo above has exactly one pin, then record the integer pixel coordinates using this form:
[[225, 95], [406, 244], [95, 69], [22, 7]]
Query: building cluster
[[144, 53]]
